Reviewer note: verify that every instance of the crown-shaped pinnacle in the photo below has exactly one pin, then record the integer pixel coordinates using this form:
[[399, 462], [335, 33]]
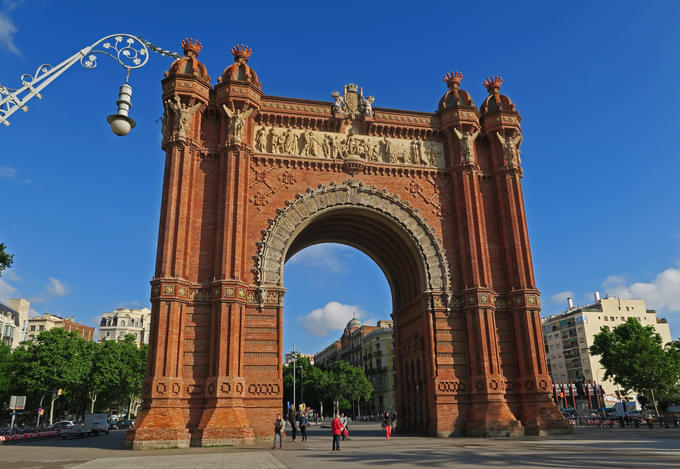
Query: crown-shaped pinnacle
[[240, 50], [191, 45], [493, 84], [453, 78]]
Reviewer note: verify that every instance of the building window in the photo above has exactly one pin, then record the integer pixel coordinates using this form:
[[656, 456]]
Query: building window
[[605, 318], [611, 317], [42, 328], [108, 333], [32, 328]]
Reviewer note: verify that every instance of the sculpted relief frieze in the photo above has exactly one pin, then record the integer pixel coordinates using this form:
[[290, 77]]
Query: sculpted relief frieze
[[331, 145]]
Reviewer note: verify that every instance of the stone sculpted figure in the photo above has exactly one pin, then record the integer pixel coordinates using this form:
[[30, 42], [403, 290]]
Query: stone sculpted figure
[[311, 144], [261, 140], [326, 146], [237, 120], [434, 155], [165, 131], [375, 152], [183, 114], [511, 146], [420, 150], [387, 150], [290, 143], [467, 144], [336, 147], [339, 105], [367, 106], [413, 152]]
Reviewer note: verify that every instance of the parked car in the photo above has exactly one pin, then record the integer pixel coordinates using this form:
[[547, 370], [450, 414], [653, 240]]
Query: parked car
[[670, 417], [125, 424], [64, 424], [569, 412]]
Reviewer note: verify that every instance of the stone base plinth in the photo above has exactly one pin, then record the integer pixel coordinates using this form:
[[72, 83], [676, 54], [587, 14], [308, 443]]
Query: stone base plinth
[[492, 419], [223, 426], [541, 417], [159, 427]]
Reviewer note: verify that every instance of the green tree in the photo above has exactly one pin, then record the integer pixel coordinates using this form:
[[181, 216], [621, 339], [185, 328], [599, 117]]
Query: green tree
[[5, 374], [56, 360], [635, 358], [347, 384], [6, 258], [132, 371], [104, 374]]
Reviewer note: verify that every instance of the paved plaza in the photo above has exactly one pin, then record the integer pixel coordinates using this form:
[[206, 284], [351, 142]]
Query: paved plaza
[[587, 447]]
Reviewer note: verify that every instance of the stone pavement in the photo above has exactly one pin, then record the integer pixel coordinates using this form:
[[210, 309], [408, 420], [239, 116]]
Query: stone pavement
[[592, 447]]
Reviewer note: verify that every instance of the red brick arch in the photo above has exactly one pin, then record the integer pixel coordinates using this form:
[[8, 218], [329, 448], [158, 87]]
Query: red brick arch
[[434, 198]]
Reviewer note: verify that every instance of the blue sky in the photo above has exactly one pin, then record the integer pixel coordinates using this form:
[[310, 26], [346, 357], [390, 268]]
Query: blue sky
[[595, 83]]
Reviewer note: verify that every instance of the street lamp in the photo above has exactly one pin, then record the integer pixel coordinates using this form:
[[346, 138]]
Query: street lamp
[[131, 52], [294, 365], [302, 384]]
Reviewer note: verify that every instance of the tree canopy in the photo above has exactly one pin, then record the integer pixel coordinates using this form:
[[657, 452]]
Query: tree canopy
[[91, 375], [341, 384], [634, 357], [6, 258]]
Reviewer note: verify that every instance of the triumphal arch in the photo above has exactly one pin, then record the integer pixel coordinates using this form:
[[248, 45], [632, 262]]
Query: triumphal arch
[[434, 198]]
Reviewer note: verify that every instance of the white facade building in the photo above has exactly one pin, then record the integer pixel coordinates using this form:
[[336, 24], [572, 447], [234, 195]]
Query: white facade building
[[569, 335], [124, 321], [14, 321]]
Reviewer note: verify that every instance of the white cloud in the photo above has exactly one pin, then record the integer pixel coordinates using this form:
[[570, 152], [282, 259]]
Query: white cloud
[[7, 291], [7, 32], [662, 293], [7, 173], [321, 256], [54, 287], [332, 317], [561, 297]]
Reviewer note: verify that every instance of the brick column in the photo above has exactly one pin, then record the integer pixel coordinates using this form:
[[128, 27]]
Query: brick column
[[488, 412], [223, 420], [533, 385]]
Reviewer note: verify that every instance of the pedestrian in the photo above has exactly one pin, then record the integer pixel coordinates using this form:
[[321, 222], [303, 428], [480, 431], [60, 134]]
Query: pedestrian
[[387, 425], [278, 431], [294, 424], [303, 426], [343, 422], [336, 429]]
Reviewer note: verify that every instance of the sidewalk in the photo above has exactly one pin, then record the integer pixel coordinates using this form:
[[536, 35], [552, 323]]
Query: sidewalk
[[586, 448]]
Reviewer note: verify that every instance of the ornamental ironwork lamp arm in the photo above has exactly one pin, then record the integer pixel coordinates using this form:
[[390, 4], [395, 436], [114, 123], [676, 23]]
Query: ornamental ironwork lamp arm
[[131, 52]]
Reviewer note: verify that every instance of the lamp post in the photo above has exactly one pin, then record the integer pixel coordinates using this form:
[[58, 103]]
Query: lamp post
[[302, 384], [294, 365], [131, 52]]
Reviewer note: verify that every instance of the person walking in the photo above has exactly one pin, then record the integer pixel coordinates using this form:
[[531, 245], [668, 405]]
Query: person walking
[[278, 431], [336, 429], [343, 422], [294, 424], [303, 426], [387, 425]]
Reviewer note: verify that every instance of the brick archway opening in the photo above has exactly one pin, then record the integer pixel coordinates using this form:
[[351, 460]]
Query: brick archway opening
[[386, 230]]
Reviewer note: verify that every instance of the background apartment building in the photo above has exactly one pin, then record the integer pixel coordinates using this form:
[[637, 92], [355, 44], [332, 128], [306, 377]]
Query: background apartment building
[[124, 321], [379, 367], [569, 335], [13, 321], [50, 321], [370, 348]]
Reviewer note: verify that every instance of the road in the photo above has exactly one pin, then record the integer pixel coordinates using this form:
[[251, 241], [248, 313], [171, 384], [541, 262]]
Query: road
[[587, 447]]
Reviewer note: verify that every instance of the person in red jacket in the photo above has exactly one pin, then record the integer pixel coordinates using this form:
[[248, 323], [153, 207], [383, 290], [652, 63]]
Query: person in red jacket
[[336, 429]]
